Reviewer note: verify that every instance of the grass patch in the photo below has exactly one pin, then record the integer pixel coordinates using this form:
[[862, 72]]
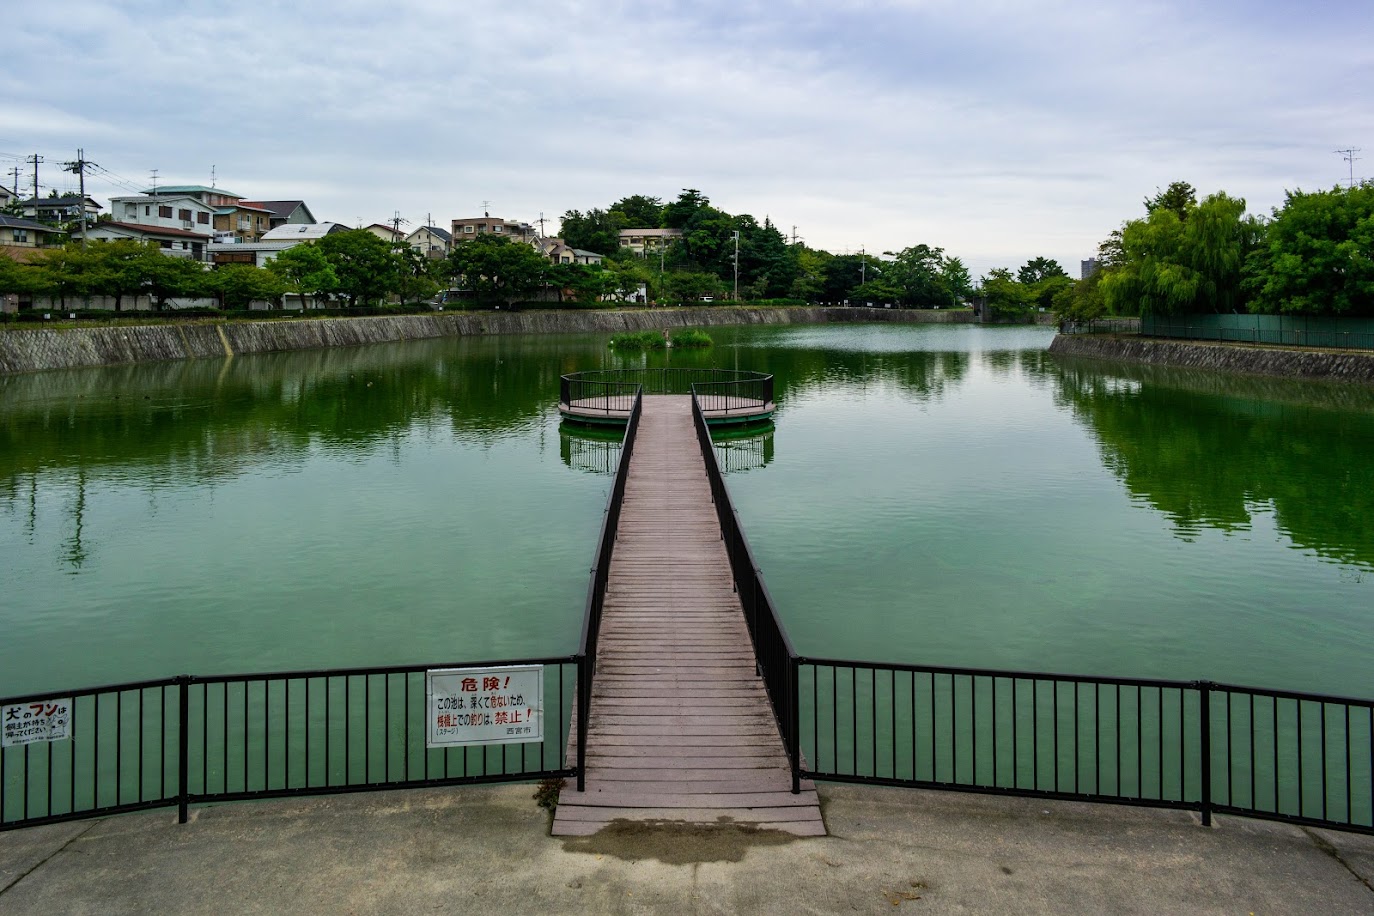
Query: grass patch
[[691, 339], [638, 340]]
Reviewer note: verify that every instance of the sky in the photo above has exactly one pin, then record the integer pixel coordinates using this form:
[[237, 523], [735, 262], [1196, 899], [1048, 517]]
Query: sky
[[998, 131]]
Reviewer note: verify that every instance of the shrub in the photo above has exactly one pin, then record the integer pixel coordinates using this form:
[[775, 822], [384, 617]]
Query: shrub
[[638, 340], [691, 339]]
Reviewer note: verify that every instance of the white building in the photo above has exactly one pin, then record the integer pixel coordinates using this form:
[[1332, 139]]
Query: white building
[[181, 211]]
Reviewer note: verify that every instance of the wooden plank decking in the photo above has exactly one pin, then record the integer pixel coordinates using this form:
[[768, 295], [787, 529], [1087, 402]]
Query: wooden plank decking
[[680, 725]]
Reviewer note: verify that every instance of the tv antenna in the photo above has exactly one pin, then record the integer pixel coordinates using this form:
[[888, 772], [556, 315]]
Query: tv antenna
[[1349, 156]]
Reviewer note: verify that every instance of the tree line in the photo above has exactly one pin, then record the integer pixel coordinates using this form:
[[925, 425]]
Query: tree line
[[1313, 256]]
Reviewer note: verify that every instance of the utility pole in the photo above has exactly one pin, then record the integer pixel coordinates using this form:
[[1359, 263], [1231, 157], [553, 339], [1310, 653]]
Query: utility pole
[[15, 170], [863, 267], [396, 221], [35, 159], [541, 224], [154, 192], [212, 174], [79, 166], [1349, 156], [736, 235]]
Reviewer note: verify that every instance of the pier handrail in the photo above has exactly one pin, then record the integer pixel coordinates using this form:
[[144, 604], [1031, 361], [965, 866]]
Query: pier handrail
[[773, 652], [596, 588]]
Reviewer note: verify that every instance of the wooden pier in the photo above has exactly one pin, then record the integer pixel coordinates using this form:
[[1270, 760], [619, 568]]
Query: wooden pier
[[681, 729]]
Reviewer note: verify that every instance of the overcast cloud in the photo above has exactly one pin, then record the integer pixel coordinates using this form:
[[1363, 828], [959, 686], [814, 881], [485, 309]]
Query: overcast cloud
[[998, 131]]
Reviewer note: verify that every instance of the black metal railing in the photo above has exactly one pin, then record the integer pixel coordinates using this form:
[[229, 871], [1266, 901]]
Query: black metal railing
[[1101, 326], [611, 391], [596, 588], [1167, 744], [773, 651], [736, 396], [187, 740]]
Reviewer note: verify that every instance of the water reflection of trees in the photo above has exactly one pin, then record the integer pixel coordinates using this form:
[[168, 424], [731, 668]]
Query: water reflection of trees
[[203, 418], [1208, 450]]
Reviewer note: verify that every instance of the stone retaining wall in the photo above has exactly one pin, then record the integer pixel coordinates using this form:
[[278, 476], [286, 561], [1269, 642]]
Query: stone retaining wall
[[1289, 362], [35, 349]]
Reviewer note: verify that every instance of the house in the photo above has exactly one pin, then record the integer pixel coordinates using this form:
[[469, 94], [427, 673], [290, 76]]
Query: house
[[557, 251], [302, 232], [431, 241], [7, 196], [254, 253], [386, 233], [165, 211], [174, 242], [238, 222], [643, 241], [19, 237], [486, 223], [58, 210], [293, 212]]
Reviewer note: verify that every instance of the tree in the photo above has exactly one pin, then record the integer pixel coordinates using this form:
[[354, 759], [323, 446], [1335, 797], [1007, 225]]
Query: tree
[[957, 279], [165, 277], [1004, 296], [415, 275], [680, 212], [916, 278], [1318, 255], [1038, 269], [1173, 266], [1179, 198], [687, 286], [364, 265], [638, 212], [594, 230], [1043, 279], [66, 272], [497, 269], [305, 271], [237, 286]]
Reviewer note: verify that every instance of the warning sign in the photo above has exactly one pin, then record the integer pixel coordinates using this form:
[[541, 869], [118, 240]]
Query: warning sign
[[25, 723], [473, 706]]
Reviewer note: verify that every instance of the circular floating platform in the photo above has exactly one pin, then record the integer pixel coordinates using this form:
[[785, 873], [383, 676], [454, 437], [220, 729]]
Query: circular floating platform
[[606, 397]]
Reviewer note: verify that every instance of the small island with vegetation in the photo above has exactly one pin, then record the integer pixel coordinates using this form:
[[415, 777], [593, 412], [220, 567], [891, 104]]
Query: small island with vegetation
[[652, 340]]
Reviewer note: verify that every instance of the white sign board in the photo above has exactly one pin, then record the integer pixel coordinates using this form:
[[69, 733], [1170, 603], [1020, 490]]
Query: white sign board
[[476, 706], [25, 723]]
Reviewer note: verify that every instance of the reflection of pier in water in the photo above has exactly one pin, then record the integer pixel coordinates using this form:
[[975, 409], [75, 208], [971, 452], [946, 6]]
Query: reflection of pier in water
[[597, 451]]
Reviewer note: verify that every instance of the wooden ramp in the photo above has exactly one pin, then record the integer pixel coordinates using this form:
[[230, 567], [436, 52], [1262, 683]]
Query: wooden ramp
[[680, 727]]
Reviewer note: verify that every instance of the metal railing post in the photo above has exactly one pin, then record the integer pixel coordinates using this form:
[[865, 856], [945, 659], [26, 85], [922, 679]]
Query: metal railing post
[[1205, 693], [582, 713], [794, 723], [183, 747]]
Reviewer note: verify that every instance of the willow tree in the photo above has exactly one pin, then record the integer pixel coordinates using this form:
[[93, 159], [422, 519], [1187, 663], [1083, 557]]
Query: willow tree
[[1176, 265]]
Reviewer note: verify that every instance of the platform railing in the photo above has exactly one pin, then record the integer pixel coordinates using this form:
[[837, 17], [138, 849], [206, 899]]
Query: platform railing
[[609, 390], [596, 588], [194, 739]]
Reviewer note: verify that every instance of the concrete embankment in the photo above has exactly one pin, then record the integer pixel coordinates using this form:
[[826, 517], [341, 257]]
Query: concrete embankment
[[1287, 362], [36, 349]]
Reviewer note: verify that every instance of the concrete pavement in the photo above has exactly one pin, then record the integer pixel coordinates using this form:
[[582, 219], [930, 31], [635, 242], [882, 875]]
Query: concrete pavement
[[487, 850]]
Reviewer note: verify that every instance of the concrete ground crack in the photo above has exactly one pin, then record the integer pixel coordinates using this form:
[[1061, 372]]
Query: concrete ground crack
[[48, 858], [1322, 844]]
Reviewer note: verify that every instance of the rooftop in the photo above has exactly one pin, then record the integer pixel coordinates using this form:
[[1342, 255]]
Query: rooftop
[[151, 230], [297, 232], [190, 189], [15, 222]]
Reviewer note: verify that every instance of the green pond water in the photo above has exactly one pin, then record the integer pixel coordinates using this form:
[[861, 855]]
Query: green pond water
[[946, 495]]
